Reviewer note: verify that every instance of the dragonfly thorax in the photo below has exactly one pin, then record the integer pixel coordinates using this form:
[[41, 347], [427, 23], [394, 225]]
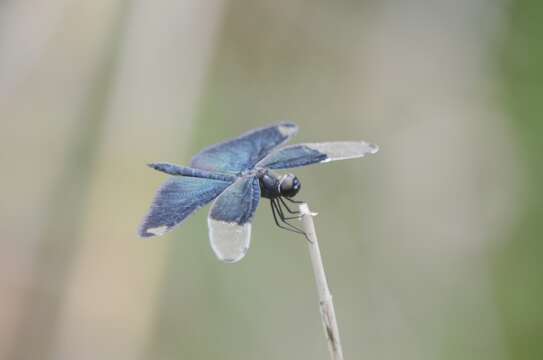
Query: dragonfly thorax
[[273, 186]]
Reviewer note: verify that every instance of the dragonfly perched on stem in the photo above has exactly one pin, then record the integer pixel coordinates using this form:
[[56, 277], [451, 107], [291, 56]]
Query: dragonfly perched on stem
[[235, 175]]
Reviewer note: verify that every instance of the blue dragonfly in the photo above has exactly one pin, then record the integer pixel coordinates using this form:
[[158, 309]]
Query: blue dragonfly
[[235, 175]]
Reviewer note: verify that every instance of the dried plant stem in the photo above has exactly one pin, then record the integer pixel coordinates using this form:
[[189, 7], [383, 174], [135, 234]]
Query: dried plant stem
[[328, 314]]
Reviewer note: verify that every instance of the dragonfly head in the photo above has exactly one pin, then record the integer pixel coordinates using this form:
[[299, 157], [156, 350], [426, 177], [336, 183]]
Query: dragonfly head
[[289, 185]]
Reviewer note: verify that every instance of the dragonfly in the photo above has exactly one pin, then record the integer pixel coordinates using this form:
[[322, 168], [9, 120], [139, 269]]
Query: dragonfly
[[235, 175]]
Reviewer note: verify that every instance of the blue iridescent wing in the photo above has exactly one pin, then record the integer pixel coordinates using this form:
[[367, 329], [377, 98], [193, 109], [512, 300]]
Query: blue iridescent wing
[[177, 170], [314, 153], [230, 217], [244, 152], [178, 198]]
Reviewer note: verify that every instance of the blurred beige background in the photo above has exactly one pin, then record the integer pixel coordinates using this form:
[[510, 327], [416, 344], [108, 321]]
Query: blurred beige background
[[432, 246]]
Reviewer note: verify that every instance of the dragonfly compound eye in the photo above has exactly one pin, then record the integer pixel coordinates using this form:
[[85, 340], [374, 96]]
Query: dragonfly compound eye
[[290, 185]]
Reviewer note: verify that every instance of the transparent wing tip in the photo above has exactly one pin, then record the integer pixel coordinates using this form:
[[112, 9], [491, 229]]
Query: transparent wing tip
[[373, 148], [341, 150], [229, 241], [287, 128], [146, 232]]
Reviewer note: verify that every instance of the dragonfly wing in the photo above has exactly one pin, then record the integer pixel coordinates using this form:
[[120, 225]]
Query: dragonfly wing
[[230, 217], [178, 198], [177, 170], [314, 153], [245, 151]]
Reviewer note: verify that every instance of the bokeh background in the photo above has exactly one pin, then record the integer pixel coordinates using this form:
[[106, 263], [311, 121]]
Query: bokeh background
[[433, 246]]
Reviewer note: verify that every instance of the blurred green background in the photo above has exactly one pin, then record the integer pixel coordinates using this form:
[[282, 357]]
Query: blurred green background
[[432, 246]]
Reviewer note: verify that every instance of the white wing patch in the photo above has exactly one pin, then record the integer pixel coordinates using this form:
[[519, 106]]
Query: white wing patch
[[287, 130], [229, 241], [158, 231], [341, 150]]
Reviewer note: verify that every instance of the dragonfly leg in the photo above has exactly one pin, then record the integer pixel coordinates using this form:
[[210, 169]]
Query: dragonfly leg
[[275, 213], [286, 206], [284, 220], [282, 214], [294, 201]]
